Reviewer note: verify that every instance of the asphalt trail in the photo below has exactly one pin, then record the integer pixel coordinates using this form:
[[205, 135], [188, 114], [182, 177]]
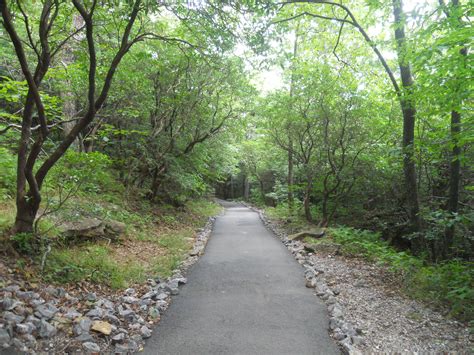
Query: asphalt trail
[[246, 295]]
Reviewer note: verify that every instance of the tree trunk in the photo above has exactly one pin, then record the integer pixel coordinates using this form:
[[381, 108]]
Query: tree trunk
[[454, 165], [246, 188], [409, 115], [307, 202], [290, 179]]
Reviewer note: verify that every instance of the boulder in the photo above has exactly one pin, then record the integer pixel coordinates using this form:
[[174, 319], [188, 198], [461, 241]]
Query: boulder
[[323, 247], [316, 234], [92, 228]]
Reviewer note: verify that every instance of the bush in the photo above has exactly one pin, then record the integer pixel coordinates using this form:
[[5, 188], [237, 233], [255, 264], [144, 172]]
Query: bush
[[84, 172]]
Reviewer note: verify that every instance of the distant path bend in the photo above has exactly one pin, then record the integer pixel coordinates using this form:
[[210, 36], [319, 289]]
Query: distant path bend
[[246, 295]]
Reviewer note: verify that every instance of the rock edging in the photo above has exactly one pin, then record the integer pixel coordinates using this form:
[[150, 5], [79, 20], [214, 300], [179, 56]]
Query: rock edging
[[54, 320], [343, 332]]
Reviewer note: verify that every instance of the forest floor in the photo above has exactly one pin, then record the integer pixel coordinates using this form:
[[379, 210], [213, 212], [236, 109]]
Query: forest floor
[[373, 304]]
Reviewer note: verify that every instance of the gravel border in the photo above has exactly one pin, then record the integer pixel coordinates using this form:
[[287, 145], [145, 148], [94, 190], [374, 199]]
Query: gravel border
[[366, 314], [51, 320]]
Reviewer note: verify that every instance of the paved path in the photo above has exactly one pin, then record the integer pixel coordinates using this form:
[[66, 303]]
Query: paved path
[[246, 295]]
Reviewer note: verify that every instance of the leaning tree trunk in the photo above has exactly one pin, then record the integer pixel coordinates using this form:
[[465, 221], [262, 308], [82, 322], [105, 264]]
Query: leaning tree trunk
[[307, 201]]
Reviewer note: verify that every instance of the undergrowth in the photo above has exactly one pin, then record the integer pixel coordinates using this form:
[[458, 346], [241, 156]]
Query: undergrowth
[[449, 284]]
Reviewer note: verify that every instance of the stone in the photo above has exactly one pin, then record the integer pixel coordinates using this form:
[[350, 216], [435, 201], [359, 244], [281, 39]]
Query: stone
[[46, 330], [323, 247], [119, 338], [46, 310], [130, 300], [82, 326], [102, 327], [146, 302], [335, 311], [130, 292], [338, 334], [346, 346], [181, 280], [334, 323], [26, 295], [91, 297], [114, 229], [311, 283], [25, 328], [17, 343], [360, 283], [162, 296], [145, 332], [72, 314], [84, 337], [12, 288], [111, 318], [316, 233], [357, 340], [12, 318], [34, 320], [148, 295], [154, 313], [91, 347], [4, 337], [129, 315], [29, 340], [95, 313]]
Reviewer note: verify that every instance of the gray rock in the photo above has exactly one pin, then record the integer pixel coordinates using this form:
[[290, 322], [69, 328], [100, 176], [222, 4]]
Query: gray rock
[[128, 315], [25, 328], [346, 346], [72, 314], [334, 323], [84, 337], [37, 302], [17, 343], [338, 334], [335, 311], [181, 280], [148, 295], [12, 288], [143, 308], [34, 320], [12, 318], [129, 347], [95, 313], [29, 340], [154, 313], [111, 318], [4, 337], [130, 300], [83, 326], [162, 296], [91, 297], [146, 302], [145, 332], [119, 338], [104, 303], [91, 347], [46, 310], [46, 330], [357, 340], [130, 292]]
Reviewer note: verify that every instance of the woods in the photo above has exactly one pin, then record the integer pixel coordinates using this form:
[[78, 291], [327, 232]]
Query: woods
[[352, 114]]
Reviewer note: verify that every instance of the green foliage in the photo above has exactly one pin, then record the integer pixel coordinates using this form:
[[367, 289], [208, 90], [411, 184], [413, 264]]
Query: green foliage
[[84, 172], [7, 174], [24, 243], [449, 283], [92, 263]]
